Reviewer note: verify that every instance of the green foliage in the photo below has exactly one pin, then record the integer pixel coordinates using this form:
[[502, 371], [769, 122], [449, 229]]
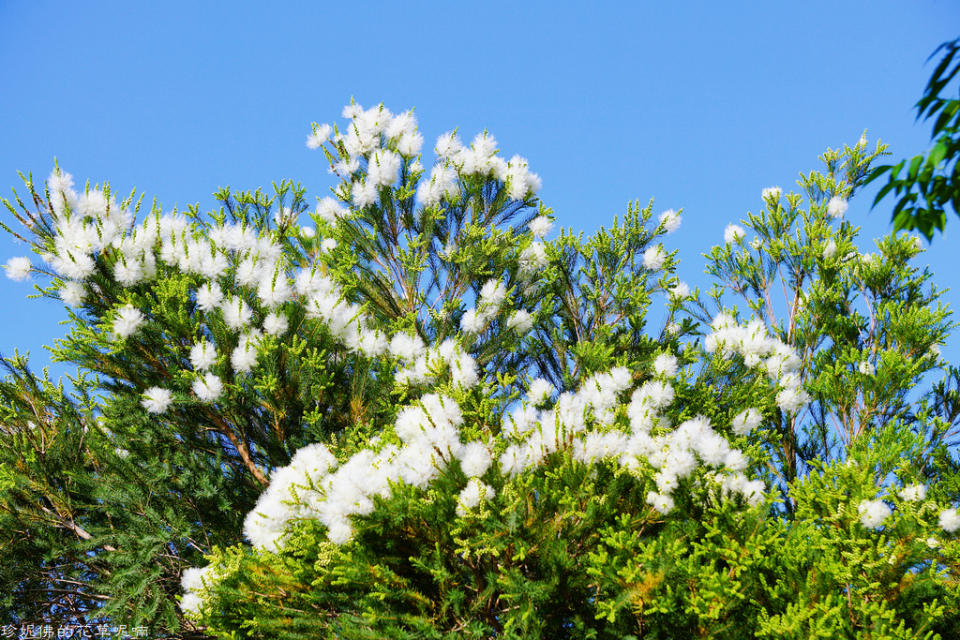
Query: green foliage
[[113, 503], [50, 448], [571, 551], [928, 185]]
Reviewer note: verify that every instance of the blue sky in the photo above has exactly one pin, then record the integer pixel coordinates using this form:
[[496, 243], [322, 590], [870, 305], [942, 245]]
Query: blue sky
[[697, 104]]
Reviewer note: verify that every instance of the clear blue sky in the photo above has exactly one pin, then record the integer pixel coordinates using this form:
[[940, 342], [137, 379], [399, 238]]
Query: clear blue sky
[[697, 104]]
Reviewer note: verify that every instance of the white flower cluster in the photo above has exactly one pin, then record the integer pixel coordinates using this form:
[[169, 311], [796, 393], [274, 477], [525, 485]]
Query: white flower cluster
[[314, 486], [829, 249], [758, 349], [670, 220], [771, 193], [491, 299], [679, 291], [532, 260], [156, 399], [18, 268], [86, 223], [479, 159], [836, 207], [540, 226], [733, 233], [873, 513], [676, 454], [193, 581], [375, 147], [127, 321], [91, 223], [654, 257], [492, 295], [378, 144], [914, 492], [949, 520], [421, 364]]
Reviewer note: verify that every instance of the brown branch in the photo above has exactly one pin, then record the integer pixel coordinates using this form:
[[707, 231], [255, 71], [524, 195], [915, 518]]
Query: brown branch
[[241, 448], [73, 526]]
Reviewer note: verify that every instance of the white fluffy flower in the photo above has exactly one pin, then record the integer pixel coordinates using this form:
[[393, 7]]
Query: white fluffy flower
[[949, 520], [670, 220], [442, 183], [665, 365], [328, 245], [679, 291], [236, 312], [346, 167], [383, 167], [520, 321], [275, 324], [746, 421], [653, 394], [156, 400], [128, 320], [405, 346], [829, 249], [128, 272], [792, 399], [914, 492], [654, 257], [866, 368], [243, 357], [472, 322], [364, 193], [472, 494], [208, 387], [18, 268], [539, 390], [330, 210], [409, 145], [836, 207], [195, 578], [662, 503], [540, 226], [72, 293], [873, 513], [60, 180], [475, 459], [190, 603], [733, 233], [318, 136], [448, 144], [202, 355], [209, 296], [520, 180], [735, 460], [274, 289], [533, 258], [340, 531], [770, 193], [492, 294]]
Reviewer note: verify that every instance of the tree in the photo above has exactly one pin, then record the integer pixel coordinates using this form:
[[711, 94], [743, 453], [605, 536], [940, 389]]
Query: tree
[[930, 185], [458, 429]]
